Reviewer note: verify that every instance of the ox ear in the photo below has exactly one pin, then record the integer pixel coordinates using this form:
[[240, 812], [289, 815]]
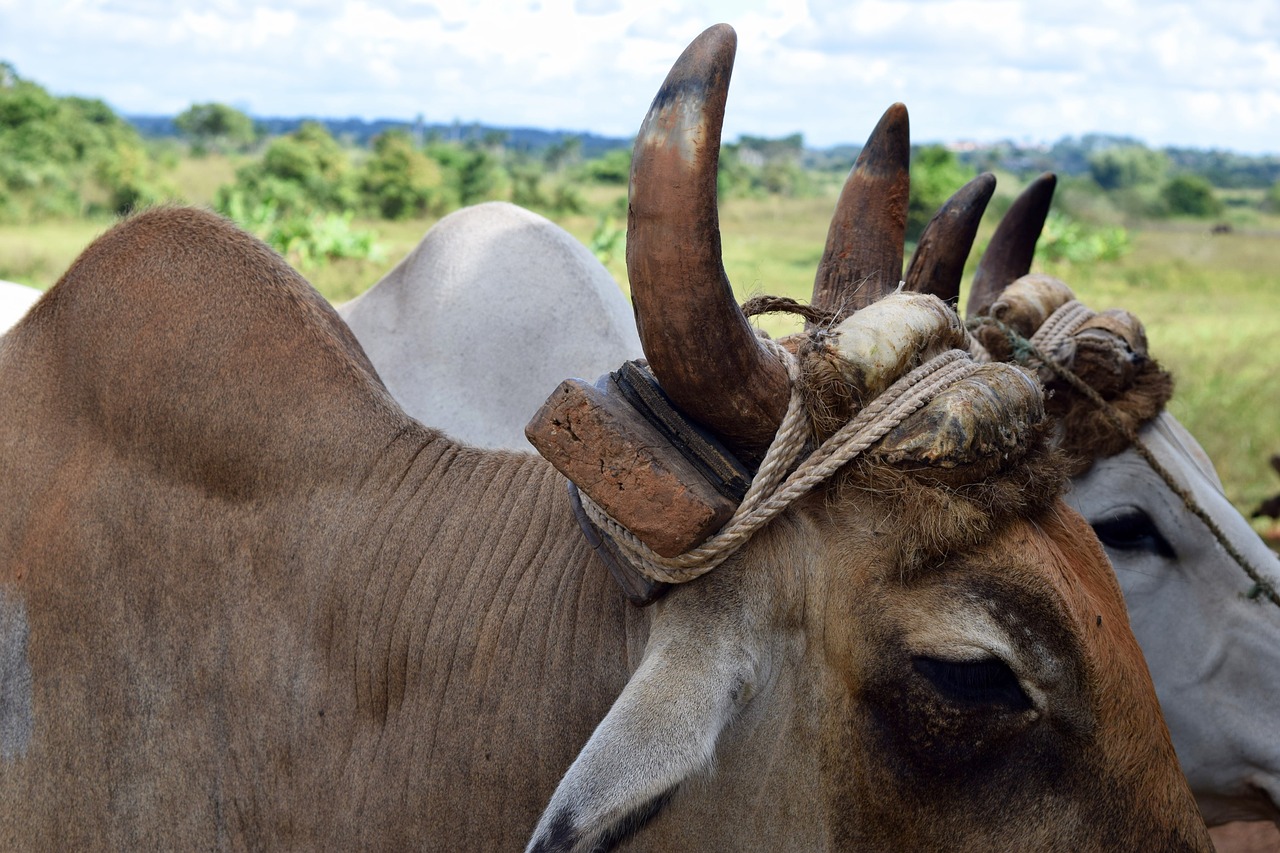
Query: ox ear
[[661, 731]]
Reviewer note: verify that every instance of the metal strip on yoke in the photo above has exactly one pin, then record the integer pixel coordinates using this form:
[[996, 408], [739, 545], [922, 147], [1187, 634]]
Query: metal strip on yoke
[[715, 463]]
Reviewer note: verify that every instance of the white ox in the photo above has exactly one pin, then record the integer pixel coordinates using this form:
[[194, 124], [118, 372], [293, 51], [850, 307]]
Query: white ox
[[495, 269], [15, 299], [1214, 654]]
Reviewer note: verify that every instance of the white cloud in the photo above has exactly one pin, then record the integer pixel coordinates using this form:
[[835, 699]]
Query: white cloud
[[597, 7], [1169, 72]]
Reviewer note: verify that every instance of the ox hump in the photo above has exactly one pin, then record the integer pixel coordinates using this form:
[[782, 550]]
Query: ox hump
[[177, 336]]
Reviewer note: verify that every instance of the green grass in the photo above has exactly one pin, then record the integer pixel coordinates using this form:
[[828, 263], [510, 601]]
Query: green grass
[[1211, 303], [197, 179], [1211, 307], [345, 279], [39, 253]]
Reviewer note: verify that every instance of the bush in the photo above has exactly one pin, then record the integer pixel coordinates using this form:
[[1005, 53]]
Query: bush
[[1191, 195], [1272, 199], [1064, 240], [472, 173], [567, 199], [314, 240], [526, 184], [67, 156], [733, 176], [1126, 166], [612, 167], [215, 125], [785, 178], [300, 174], [305, 240], [399, 181], [935, 176], [756, 167], [608, 240]]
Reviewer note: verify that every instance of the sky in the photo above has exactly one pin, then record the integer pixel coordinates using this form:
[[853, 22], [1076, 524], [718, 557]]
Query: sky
[[1194, 74]]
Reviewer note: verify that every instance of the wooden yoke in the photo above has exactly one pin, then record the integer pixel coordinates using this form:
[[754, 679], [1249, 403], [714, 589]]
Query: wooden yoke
[[624, 445], [632, 467]]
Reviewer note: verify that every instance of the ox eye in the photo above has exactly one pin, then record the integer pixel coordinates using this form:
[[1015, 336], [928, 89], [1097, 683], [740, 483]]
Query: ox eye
[[1133, 530], [988, 681]]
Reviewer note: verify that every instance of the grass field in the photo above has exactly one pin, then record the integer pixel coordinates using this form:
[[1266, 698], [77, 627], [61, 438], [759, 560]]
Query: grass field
[[1210, 302]]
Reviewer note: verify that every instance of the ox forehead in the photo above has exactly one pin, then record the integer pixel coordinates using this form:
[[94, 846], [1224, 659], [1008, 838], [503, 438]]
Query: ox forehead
[[251, 603]]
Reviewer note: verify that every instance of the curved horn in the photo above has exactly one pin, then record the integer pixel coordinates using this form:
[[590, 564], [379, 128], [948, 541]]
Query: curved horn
[[938, 263], [863, 257], [1008, 256], [697, 340]]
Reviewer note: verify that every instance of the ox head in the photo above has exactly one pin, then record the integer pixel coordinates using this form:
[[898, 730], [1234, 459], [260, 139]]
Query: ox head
[[1213, 648], [928, 651]]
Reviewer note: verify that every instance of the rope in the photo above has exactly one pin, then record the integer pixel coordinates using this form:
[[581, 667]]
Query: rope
[[774, 489], [1061, 325], [1052, 333], [785, 305]]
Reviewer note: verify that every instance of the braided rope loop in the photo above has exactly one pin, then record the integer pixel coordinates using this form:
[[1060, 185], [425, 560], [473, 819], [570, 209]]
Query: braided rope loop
[[1060, 326]]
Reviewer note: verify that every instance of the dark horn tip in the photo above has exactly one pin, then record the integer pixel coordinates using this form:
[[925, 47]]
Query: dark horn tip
[[1030, 209], [937, 266], [862, 260], [978, 190], [1034, 201], [715, 46], [888, 147], [1013, 245], [700, 73]]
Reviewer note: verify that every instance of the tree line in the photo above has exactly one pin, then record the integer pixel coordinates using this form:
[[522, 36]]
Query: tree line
[[302, 188]]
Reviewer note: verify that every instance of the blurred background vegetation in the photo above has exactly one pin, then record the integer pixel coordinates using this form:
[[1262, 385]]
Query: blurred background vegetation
[[1189, 240]]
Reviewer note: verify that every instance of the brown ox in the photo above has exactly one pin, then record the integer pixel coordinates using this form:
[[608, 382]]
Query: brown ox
[[247, 602]]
